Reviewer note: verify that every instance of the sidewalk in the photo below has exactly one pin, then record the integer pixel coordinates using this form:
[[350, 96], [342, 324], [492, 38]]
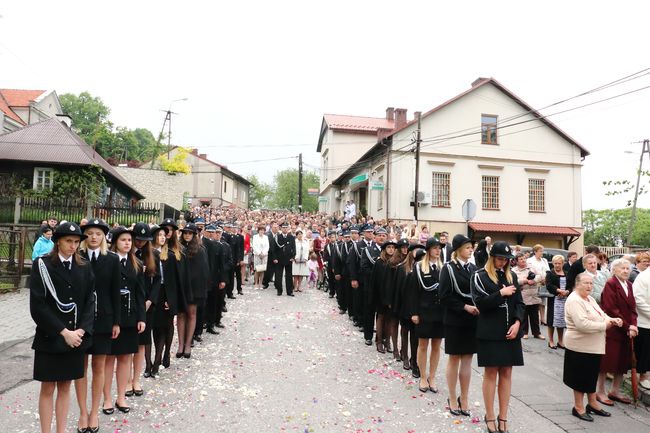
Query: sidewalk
[[16, 324]]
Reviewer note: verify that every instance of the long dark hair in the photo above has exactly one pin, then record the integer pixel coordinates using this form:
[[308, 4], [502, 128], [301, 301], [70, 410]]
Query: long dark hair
[[191, 247], [396, 258], [149, 260], [131, 254]]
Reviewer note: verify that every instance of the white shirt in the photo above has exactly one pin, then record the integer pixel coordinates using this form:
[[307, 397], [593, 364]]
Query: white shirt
[[94, 253], [63, 259], [641, 289], [260, 245], [623, 284]]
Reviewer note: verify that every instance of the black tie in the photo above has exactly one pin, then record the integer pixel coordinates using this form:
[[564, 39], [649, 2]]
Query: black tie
[[138, 254], [66, 265], [123, 261], [94, 258], [466, 266]]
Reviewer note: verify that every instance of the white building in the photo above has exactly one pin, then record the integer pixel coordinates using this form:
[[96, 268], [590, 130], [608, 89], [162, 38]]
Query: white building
[[19, 107], [487, 145]]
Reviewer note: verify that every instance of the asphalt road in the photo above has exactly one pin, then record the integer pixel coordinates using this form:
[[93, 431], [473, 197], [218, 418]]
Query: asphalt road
[[295, 365]]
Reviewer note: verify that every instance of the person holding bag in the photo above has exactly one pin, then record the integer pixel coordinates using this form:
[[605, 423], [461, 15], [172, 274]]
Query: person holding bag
[[260, 256], [62, 304]]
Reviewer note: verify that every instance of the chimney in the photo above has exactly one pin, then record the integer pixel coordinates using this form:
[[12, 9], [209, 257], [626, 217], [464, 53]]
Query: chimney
[[65, 119], [478, 81], [417, 115], [383, 133], [400, 117], [195, 151], [390, 113], [203, 155]]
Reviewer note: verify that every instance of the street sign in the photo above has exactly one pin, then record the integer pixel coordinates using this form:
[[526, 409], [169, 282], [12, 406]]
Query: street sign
[[469, 210], [358, 179], [312, 191], [322, 199], [376, 185]]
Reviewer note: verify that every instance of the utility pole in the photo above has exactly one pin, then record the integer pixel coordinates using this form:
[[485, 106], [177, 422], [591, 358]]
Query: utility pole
[[644, 150], [418, 140], [300, 182]]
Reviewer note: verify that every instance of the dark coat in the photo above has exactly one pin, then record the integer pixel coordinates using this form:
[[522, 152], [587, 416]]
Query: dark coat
[[199, 275], [497, 313], [553, 282], [369, 257], [333, 258], [615, 304], [284, 248], [425, 302], [76, 285], [446, 253], [354, 260], [380, 284], [170, 292], [454, 302], [132, 304], [346, 250], [107, 288], [211, 257], [402, 295], [152, 284]]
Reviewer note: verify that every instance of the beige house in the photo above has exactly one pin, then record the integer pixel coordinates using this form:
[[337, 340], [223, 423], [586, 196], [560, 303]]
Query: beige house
[[486, 145], [211, 183], [19, 108]]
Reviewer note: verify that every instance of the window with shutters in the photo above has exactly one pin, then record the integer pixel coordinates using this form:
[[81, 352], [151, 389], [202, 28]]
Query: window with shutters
[[440, 189], [536, 195], [490, 188]]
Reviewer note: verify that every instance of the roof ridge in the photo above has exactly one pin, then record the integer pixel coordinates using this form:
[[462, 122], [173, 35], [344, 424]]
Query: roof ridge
[[352, 115]]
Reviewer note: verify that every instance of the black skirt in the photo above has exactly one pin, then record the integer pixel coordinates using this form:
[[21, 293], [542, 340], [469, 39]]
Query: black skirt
[[145, 338], [500, 353], [430, 330], [459, 340], [54, 367], [642, 350], [126, 342], [550, 304], [581, 370], [101, 344], [407, 323]]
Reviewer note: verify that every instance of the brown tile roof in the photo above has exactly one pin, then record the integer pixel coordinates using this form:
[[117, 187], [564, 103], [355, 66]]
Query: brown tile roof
[[20, 97], [6, 109], [523, 228], [52, 142], [340, 122]]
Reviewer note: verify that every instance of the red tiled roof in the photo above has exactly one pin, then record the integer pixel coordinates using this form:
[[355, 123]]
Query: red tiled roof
[[20, 97], [523, 228], [357, 123], [6, 109]]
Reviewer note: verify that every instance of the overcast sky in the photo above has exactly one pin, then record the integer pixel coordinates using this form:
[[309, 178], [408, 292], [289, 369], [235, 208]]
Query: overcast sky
[[259, 75]]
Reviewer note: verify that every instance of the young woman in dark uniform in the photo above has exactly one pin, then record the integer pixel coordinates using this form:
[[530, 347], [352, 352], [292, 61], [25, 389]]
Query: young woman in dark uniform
[[497, 295], [392, 316], [150, 267], [198, 269], [402, 308], [459, 322], [427, 313], [62, 304], [132, 319], [170, 299], [380, 293], [106, 267]]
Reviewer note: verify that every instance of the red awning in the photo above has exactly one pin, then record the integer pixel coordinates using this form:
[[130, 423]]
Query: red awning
[[523, 229]]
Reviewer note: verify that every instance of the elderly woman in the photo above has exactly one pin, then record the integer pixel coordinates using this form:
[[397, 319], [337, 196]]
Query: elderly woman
[[642, 261], [585, 345], [600, 277], [529, 293], [641, 288], [618, 300], [556, 285], [539, 265]]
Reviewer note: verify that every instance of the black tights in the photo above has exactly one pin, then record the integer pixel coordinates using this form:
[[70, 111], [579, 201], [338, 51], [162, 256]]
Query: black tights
[[408, 336], [162, 338]]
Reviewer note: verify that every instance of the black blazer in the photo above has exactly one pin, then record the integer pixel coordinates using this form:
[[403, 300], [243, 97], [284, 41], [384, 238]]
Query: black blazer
[[354, 259], [553, 282], [498, 313], [401, 295], [454, 302], [211, 256], [446, 253], [369, 257], [107, 288], [333, 258], [199, 275], [76, 285], [170, 290], [152, 284], [132, 304], [381, 282], [425, 302], [284, 248], [346, 250]]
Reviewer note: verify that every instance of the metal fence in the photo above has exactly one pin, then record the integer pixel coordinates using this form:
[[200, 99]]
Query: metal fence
[[30, 210], [12, 258]]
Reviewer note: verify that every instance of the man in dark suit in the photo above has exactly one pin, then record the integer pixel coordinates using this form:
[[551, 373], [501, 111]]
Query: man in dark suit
[[284, 252], [445, 248], [331, 256], [224, 266], [354, 273], [237, 246], [368, 258], [270, 267]]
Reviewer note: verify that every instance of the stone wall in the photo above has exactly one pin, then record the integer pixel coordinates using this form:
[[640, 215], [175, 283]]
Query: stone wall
[[158, 186]]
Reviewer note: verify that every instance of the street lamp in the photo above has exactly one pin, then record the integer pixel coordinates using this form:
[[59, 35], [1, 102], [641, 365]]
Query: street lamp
[[644, 150], [168, 118]]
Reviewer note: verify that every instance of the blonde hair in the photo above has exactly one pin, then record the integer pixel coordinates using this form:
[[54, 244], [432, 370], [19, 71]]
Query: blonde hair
[[164, 252], [557, 258], [425, 263], [587, 257], [538, 247], [103, 247], [491, 271]]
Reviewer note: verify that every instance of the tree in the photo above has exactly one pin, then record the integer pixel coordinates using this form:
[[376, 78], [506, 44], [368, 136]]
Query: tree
[[609, 227], [177, 164], [285, 190], [259, 193], [89, 114]]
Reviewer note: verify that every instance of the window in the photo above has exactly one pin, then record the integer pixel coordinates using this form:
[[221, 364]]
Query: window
[[234, 193], [488, 129], [43, 178], [440, 189], [242, 195], [225, 186], [536, 195], [490, 192], [326, 159], [380, 195]]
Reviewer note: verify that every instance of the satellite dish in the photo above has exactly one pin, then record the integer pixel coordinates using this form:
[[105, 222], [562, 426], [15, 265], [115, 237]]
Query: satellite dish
[[469, 210]]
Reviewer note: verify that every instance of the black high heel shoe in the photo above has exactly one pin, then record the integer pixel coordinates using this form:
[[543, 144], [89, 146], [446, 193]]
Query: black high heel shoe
[[138, 392], [505, 424], [461, 410], [187, 355], [488, 426], [123, 409], [108, 411], [454, 412], [165, 360], [179, 354]]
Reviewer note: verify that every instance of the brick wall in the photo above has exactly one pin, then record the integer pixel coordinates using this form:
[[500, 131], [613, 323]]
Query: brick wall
[[158, 186]]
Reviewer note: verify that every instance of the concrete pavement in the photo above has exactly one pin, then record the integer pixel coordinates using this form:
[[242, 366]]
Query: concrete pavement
[[294, 364]]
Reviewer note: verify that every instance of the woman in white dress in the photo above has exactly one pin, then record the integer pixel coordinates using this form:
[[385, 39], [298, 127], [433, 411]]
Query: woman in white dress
[[300, 268], [260, 255]]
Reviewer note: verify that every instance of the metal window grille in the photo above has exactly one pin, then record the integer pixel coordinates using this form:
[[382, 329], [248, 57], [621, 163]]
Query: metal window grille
[[490, 192], [440, 189], [536, 195]]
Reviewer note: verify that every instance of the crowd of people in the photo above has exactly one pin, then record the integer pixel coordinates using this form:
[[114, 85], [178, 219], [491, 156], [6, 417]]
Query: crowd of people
[[108, 297]]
